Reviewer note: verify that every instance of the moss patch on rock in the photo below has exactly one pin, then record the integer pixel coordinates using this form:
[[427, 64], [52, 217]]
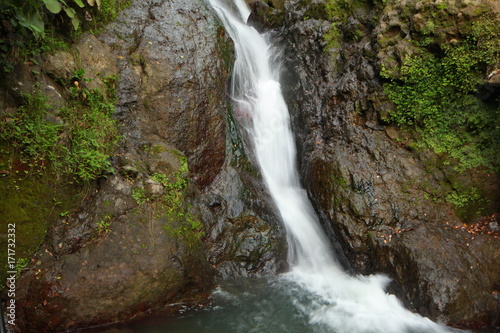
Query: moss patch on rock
[[32, 203]]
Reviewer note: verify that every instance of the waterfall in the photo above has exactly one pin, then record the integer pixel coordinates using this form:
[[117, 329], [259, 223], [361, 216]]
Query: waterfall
[[341, 302]]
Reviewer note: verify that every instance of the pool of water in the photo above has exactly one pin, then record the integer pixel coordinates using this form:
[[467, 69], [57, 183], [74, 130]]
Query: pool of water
[[252, 305]]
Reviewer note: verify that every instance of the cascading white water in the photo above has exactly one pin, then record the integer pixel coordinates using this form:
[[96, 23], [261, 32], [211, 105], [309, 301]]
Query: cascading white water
[[341, 302]]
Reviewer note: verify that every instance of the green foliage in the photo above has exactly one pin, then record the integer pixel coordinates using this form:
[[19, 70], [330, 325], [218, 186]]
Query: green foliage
[[435, 97], [340, 181], [30, 132], [181, 223], [32, 26], [92, 134], [110, 8], [104, 225], [333, 36], [31, 203], [339, 11], [171, 205], [33, 15], [190, 232], [77, 141], [461, 200], [139, 195], [486, 35], [20, 264]]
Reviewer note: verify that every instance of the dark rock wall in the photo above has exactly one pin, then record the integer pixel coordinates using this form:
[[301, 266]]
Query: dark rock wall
[[373, 190]]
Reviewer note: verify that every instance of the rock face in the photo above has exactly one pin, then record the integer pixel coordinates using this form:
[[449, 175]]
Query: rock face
[[375, 192], [183, 207]]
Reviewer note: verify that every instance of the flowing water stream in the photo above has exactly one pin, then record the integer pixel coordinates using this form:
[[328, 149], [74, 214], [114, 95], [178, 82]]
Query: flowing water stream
[[316, 295], [340, 303]]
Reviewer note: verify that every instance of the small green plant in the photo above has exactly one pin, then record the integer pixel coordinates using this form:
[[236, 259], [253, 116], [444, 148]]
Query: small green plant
[[139, 195], [190, 231], [31, 27], [461, 199], [181, 223], [340, 181], [21, 264], [78, 145], [333, 36], [93, 134], [338, 11], [104, 225], [34, 15]]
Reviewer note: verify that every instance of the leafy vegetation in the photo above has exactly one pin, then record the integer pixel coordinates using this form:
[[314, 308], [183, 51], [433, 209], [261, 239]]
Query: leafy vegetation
[[435, 96], [77, 140], [21, 263], [48, 154], [171, 205], [30, 132], [29, 27], [341, 9], [104, 225], [139, 195], [181, 224], [436, 89]]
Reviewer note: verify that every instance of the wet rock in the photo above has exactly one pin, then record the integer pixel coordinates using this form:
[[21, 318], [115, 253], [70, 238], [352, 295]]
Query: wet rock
[[264, 15], [126, 263], [154, 233], [377, 195], [61, 65], [97, 60], [245, 235], [167, 66], [118, 255]]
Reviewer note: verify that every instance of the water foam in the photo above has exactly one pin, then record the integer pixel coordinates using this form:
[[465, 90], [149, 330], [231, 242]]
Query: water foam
[[342, 302]]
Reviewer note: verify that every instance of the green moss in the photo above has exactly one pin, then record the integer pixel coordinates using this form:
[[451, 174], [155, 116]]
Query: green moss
[[32, 203], [339, 12], [182, 224], [339, 181], [239, 158], [434, 97], [225, 48], [434, 92], [171, 207]]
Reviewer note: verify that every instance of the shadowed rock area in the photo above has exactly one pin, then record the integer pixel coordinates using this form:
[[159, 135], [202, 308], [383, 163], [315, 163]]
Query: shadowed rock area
[[182, 206]]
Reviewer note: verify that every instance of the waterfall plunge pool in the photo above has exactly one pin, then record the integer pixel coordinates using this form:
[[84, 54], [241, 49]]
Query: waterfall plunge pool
[[276, 304]]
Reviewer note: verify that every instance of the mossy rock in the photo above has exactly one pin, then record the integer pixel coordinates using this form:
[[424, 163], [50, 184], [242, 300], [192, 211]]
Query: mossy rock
[[32, 203]]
